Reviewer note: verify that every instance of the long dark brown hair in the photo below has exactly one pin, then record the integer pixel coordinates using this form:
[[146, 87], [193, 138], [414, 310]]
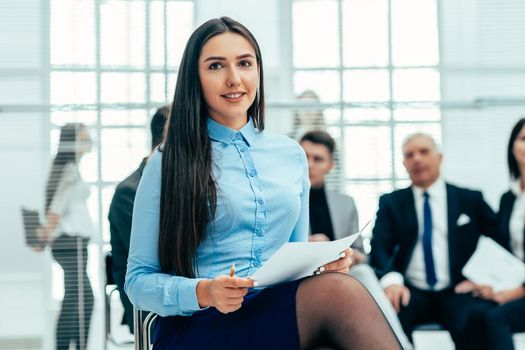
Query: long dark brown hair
[[514, 168], [188, 191], [66, 154]]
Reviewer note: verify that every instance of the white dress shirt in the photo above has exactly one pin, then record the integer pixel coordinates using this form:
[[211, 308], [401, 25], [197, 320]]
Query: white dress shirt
[[415, 273], [517, 221], [70, 203]]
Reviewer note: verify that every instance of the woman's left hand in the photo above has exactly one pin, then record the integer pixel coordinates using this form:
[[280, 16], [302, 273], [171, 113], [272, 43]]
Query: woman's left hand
[[340, 265], [505, 296]]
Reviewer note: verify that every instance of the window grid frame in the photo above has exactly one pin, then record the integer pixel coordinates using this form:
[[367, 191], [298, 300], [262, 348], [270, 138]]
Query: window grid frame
[[98, 107], [343, 180]]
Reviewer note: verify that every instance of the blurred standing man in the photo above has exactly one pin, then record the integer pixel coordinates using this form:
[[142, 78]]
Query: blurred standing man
[[423, 236], [333, 215], [121, 212]]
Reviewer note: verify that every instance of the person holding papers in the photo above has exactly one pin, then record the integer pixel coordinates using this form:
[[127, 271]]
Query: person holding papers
[[221, 191], [333, 215], [67, 230], [508, 316], [423, 236]]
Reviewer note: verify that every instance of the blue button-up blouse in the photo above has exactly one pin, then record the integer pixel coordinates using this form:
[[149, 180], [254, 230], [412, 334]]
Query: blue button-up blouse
[[262, 190]]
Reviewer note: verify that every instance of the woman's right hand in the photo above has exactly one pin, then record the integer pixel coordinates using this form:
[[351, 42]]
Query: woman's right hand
[[43, 234], [224, 293]]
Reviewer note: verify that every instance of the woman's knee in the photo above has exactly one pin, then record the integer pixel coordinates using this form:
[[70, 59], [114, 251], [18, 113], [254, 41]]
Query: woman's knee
[[342, 285]]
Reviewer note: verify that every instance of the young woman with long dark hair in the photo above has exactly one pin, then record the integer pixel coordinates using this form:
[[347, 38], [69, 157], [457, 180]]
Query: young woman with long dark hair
[[220, 191], [68, 229], [506, 316]]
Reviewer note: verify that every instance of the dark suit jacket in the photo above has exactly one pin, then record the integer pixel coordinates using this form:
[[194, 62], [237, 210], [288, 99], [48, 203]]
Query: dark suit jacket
[[396, 229], [120, 215]]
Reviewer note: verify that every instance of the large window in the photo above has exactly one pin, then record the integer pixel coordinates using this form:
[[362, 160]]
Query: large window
[[374, 66], [113, 62]]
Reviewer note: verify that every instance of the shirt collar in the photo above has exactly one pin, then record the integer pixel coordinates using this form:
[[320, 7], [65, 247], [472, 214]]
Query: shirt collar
[[224, 134], [515, 187], [436, 190]]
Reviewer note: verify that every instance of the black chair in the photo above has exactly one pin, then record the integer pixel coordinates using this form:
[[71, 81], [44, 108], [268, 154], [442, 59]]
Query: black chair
[[110, 289]]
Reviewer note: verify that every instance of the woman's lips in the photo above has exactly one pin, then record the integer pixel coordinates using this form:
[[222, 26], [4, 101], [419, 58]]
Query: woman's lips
[[234, 96]]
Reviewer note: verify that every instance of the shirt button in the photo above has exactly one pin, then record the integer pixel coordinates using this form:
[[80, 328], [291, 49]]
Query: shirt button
[[252, 173], [258, 232], [238, 135], [260, 201], [242, 150], [256, 263]]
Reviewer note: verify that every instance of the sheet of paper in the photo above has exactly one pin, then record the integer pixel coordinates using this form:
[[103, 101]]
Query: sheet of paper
[[295, 260], [491, 264]]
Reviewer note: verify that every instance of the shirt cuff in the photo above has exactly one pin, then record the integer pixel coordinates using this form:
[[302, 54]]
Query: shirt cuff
[[186, 295], [392, 278]]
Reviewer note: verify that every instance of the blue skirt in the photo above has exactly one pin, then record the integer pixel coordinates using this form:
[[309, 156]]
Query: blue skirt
[[266, 320]]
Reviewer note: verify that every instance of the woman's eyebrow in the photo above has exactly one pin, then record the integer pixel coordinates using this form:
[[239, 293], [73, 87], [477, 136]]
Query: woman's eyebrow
[[219, 58]]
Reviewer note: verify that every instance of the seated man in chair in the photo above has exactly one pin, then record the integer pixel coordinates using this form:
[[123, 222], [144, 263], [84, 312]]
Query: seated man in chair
[[423, 236]]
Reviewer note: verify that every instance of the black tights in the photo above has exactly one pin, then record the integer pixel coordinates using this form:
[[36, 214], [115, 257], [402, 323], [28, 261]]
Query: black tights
[[77, 306], [335, 311]]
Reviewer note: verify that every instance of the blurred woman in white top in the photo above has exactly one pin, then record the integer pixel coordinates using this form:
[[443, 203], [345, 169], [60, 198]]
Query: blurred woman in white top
[[68, 229]]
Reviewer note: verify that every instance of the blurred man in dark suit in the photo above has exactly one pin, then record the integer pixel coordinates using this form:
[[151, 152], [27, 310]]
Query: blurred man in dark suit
[[423, 236], [120, 215]]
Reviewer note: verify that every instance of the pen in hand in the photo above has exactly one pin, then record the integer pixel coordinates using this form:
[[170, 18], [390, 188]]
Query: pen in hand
[[232, 274]]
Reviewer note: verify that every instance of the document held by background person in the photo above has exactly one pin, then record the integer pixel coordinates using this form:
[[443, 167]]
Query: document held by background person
[[492, 265]]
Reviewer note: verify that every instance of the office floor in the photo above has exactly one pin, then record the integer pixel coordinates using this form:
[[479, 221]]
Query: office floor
[[424, 340]]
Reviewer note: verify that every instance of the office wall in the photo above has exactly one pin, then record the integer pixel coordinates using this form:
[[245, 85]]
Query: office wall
[[23, 156], [483, 89]]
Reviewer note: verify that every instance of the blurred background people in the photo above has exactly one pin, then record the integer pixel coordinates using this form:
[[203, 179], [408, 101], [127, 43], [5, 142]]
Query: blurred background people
[[307, 119], [333, 215], [68, 229], [120, 215], [423, 236], [509, 316]]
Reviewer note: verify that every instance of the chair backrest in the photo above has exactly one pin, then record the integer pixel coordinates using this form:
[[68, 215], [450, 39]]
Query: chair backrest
[[110, 288], [109, 267], [143, 320]]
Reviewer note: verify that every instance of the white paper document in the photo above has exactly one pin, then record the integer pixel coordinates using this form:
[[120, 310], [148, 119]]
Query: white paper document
[[493, 265], [295, 260]]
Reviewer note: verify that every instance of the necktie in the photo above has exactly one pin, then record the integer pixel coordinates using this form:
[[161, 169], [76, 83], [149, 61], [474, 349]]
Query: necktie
[[427, 242]]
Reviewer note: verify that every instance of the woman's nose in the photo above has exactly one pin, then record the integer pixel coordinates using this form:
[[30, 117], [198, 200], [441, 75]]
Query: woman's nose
[[234, 79]]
